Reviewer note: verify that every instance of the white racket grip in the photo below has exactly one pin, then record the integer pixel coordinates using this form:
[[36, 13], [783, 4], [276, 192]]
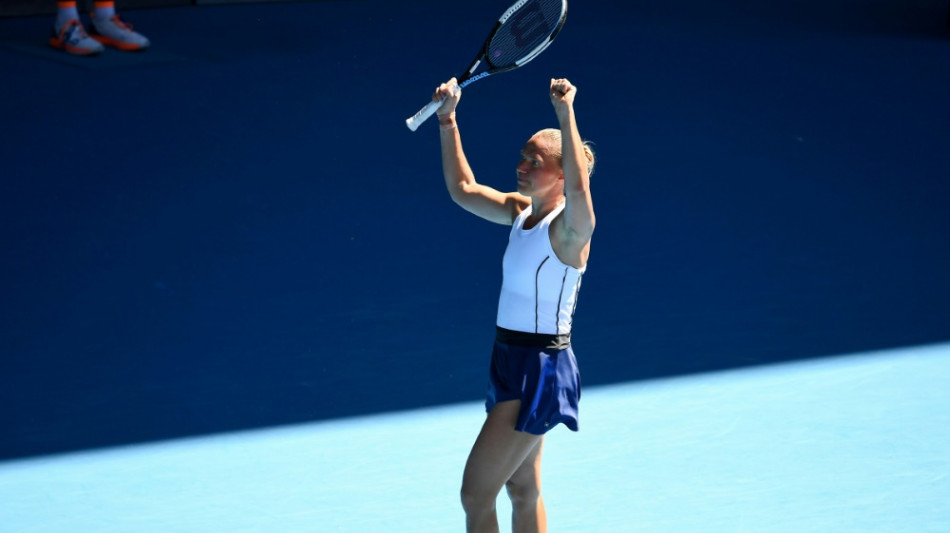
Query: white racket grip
[[416, 120]]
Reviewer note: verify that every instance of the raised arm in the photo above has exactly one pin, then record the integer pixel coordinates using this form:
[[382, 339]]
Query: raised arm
[[574, 230], [478, 199]]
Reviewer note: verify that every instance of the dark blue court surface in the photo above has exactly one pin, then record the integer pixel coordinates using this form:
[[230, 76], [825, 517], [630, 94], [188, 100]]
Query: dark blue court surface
[[235, 230]]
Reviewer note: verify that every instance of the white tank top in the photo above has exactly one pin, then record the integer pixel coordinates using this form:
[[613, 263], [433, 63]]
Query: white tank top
[[538, 291]]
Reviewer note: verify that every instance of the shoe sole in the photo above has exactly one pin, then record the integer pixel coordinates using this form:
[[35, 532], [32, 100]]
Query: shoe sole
[[127, 47], [60, 45]]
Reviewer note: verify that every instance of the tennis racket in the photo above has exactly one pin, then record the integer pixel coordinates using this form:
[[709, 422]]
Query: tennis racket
[[522, 32]]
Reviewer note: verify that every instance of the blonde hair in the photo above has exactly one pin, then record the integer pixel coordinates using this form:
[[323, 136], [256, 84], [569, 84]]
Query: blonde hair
[[554, 135]]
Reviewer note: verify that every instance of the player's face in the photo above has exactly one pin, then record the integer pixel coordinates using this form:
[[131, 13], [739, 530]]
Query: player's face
[[538, 171]]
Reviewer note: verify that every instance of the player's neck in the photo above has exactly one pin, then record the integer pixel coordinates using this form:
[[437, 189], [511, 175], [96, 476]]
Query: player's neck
[[542, 207]]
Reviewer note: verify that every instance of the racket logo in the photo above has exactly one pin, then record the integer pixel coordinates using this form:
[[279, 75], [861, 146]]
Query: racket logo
[[529, 25], [473, 78]]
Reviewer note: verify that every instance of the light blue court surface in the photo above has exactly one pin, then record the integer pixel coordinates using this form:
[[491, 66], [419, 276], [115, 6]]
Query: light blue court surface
[[853, 443]]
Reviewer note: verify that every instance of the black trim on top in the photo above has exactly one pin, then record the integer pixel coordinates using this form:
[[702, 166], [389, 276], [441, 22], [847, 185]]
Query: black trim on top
[[560, 296], [577, 294], [537, 274]]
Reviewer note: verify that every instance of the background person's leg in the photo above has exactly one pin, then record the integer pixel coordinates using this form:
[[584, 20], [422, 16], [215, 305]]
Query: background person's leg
[[69, 34]]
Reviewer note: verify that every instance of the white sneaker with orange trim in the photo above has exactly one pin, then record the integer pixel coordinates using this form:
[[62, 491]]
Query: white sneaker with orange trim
[[72, 38], [115, 32]]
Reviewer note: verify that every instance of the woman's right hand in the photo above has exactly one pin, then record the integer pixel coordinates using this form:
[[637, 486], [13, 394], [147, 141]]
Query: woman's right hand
[[450, 94]]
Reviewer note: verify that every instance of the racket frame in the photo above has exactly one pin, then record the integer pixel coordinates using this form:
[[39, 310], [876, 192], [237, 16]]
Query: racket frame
[[469, 77]]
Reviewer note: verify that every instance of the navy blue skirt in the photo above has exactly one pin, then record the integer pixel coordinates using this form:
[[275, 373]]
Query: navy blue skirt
[[539, 370]]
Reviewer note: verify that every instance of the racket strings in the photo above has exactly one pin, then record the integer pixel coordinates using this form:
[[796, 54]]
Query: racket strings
[[524, 31]]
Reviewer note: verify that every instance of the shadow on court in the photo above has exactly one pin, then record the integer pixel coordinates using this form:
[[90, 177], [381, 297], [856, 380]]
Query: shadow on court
[[235, 229]]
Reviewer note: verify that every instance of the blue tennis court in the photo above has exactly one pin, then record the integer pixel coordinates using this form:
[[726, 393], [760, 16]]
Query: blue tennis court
[[853, 443], [236, 297]]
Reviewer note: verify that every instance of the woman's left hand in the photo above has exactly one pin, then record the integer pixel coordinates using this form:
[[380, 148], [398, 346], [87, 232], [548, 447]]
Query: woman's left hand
[[562, 93]]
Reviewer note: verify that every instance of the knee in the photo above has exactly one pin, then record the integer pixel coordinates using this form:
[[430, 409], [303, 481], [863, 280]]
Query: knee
[[475, 501], [523, 493]]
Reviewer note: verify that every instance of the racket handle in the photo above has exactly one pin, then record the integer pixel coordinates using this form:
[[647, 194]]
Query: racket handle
[[416, 120]]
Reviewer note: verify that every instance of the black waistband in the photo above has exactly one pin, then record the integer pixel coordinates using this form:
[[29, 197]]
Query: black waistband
[[541, 340]]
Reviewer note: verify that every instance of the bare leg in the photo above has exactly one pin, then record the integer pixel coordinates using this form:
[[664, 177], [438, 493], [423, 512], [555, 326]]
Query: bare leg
[[497, 454], [524, 489]]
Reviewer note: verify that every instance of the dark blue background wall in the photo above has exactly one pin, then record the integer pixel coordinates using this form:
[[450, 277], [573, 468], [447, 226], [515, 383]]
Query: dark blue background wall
[[235, 229]]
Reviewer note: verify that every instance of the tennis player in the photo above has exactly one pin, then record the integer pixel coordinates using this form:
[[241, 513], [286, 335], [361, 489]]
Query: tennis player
[[534, 383]]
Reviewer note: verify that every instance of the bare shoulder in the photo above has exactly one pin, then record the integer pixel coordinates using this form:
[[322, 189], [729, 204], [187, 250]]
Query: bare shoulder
[[492, 205], [517, 203]]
